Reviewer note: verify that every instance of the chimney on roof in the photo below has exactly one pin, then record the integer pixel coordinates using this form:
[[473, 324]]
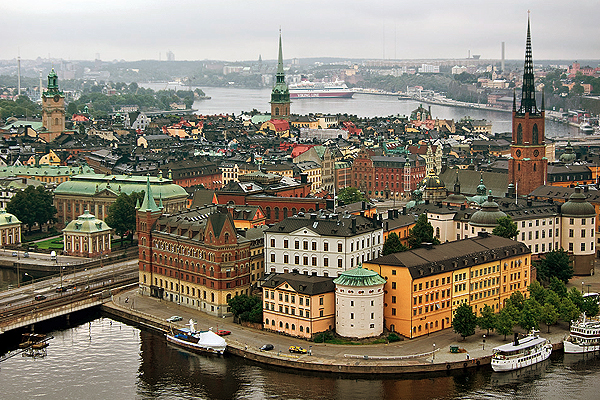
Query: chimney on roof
[[363, 205], [390, 214], [353, 225], [304, 177], [529, 202], [329, 203]]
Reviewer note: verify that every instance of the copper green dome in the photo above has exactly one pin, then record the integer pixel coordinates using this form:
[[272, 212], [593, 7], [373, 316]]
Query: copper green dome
[[359, 276], [577, 206], [8, 218], [569, 155], [488, 215], [432, 181]]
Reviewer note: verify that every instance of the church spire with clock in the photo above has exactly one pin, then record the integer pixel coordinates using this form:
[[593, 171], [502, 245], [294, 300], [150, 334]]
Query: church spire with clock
[[280, 95], [53, 109], [528, 165]]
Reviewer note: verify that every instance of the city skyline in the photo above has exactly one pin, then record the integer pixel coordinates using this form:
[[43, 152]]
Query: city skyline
[[238, 30]]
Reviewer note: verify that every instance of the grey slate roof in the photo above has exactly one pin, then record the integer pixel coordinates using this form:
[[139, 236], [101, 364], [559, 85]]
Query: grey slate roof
[[326, 224], [303, 284], [427, 261], [469, 180]]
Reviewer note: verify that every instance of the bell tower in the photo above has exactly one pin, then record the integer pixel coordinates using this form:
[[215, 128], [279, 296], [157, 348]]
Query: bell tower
[[528, 165], [53, 108], [280, 95]]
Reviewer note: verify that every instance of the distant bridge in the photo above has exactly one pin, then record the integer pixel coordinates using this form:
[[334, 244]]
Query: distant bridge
[[31, 312]]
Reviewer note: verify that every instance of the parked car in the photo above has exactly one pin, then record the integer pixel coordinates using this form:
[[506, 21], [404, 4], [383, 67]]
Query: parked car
[[14, 254], [26, 254], [61, 289], [221, 332], [174, 318], [297, 349], [40, 297], [267, 347]]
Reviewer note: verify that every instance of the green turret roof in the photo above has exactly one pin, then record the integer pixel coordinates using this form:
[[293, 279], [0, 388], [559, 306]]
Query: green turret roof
[[7, 218], [359, 277], [149, 204], [280, 93], [87, 223]]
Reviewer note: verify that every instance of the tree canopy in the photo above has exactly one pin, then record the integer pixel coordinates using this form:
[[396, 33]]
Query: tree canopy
[[121, 214], [421, 233], [506, 228], [350, 195], [555, 264], [392, 244], [464, 321], [246, 308], [487, 320], [32, 205]]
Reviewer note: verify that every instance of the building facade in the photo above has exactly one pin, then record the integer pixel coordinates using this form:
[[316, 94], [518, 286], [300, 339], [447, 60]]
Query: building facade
[[87, 236], [321, 244], [425, 286], [10, 229], [298, 305], [193, 258]]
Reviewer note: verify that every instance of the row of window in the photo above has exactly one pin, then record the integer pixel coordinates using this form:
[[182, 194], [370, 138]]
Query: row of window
[[287, 325], [289, 298]]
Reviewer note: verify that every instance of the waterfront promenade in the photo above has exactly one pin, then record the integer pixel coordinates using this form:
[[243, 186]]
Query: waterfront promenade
[[408, 356]]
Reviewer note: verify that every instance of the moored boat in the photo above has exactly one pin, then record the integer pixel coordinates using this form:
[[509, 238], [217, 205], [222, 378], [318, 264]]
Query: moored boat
[[199, 341], [521, 353], [584, 336]]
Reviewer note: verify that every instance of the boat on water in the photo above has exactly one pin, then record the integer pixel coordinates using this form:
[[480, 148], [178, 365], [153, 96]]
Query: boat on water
[[521, 353], [307, 89], [198, 341], [34, 340], [586, 129], [584, 336]]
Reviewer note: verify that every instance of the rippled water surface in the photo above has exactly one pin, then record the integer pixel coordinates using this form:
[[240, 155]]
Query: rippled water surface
[[106, 359]]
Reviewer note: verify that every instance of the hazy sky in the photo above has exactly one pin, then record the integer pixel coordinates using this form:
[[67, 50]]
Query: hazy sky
[[241, 30]]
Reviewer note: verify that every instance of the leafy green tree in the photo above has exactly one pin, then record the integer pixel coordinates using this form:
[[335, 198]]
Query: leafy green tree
[[590, 307], [552, 298], [530, 315], [537, 292], [422, 232], [464, 321], [568, 311], [558, 287], [549, 315], [32, 205], [506, 228], [488, 320], [576, 297], [392, 244], [350, 195], [517, 300], [555, 264], [506, 322], [121, 214], [246, 308]]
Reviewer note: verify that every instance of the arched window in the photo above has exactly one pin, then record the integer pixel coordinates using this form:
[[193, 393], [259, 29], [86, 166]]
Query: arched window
[[520, 134], [293, 327], [285, 212], [276, 110], [268, 212], [276, 213], [535, 134], [226, 237], [267, 321], [534, 167]]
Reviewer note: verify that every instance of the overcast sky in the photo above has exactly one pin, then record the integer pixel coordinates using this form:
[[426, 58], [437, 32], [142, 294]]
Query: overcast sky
[[241, 30]]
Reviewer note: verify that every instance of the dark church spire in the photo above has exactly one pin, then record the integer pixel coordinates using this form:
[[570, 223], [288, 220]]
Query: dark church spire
[[528, 95]]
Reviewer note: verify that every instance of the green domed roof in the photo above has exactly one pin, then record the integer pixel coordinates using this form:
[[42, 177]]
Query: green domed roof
[[8, 218], [577, 206], [87, 223], [359, 277], [569, 155], [488, 215], [432, 181]]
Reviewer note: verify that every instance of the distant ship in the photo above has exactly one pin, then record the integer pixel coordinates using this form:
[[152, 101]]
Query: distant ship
[[306, 89]]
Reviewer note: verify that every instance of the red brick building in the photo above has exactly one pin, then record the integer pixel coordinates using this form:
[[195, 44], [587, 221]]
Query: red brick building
[[193, 258], [386, 177], [188, 173]]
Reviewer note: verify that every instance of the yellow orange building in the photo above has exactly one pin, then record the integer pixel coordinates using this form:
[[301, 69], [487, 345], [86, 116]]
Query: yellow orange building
[[298, 305], [425, 286]]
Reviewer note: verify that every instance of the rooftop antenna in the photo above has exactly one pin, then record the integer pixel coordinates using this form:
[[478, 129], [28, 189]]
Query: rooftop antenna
[[19, 75]]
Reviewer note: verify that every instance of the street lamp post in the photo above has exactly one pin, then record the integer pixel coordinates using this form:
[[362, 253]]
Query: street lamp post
[[32, 280], [582, 283], [483, 346], [433, 354]]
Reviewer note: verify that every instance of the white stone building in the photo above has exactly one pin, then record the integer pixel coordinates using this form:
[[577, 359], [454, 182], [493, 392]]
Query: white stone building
[[322, 244]]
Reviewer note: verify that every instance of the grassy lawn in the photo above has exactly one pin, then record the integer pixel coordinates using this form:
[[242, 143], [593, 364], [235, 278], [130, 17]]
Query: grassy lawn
[[56, 243]]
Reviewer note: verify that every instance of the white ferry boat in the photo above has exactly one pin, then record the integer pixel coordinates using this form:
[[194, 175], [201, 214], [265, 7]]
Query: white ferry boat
[[521, 353], [306, 89], [584, 337], [199, 341]]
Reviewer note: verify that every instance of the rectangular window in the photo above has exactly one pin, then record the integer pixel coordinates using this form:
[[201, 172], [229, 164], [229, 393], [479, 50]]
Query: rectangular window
[[326, 246], [297, 260], [582, 246], [339, 247], [286, 259], [339, 263], [393, 285], [272, 257], [297, 245], [285, 244], [305, 245], [272, 242], [326, 262], [307, 302], [393, 311], [314, 245], [393, 299]]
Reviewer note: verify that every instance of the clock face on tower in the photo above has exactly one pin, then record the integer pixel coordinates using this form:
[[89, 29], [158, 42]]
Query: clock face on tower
[[536, 153], [56, 98], [518, 153]]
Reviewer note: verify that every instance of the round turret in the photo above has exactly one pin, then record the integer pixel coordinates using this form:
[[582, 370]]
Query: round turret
[[577, 206], [488, 215]]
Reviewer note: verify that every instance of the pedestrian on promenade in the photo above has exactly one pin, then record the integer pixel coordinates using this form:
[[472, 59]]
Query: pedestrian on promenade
[[467, 356]]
